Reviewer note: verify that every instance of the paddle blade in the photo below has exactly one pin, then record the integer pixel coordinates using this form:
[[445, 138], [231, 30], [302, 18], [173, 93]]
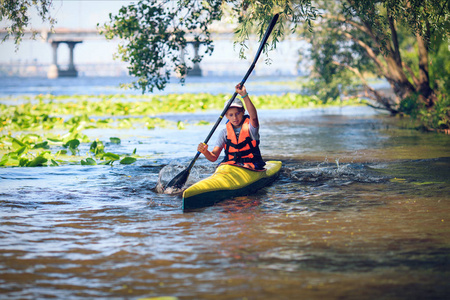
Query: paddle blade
[[178, 181]]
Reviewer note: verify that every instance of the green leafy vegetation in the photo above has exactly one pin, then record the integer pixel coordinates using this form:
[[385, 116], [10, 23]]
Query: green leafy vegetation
[[436, 118], [47, 130], [25, 151], [50, 111]]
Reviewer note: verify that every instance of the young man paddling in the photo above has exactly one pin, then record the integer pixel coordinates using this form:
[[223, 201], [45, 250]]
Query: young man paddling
[[240, 138]]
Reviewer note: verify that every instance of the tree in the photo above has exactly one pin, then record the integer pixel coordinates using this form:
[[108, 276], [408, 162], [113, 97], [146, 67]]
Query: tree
[[374, 37], [17, 14], [156, 31]]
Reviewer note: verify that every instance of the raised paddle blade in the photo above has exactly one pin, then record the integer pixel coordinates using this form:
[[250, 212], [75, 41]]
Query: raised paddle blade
[[179, 180]]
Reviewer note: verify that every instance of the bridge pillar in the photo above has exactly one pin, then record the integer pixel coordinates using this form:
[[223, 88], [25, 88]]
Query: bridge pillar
[[196, 71], [71, 47], [55, 71]]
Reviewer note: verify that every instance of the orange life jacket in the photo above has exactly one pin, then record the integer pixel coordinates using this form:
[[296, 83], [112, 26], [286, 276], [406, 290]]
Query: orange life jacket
[[245, 151]]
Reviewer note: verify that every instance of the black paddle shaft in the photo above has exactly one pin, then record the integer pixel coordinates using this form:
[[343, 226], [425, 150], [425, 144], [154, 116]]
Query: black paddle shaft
[[250, 70]]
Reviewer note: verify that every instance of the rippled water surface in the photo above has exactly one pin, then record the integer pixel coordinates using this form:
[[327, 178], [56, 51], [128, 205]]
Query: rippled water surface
[[360, 211]]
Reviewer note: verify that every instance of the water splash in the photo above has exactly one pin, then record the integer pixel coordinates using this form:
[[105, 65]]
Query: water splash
[[166, 174], [171, 170], [325, 172]]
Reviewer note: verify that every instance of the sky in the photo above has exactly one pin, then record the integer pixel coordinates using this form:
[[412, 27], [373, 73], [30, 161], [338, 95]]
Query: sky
[[86, 14]]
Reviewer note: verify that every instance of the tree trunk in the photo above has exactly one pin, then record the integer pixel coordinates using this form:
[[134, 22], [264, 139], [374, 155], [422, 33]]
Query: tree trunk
[[426, 93], [395, 75]]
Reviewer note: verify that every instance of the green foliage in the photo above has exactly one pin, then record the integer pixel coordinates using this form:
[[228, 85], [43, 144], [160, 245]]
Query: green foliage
[[364, 38], [97, 148], [24, 153], [76, 113], [88, 162], [440, 65], [127, 160], [435, 118], [424, 17], [438, 117], [410, 106], [254, 16], [16, 13], [156, 32], [72, 145]]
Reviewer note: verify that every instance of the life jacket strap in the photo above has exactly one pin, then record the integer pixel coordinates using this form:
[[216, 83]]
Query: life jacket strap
[[247, 141]]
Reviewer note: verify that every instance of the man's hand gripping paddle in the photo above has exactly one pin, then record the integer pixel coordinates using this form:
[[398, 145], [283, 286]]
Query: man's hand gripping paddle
[[182, 177]]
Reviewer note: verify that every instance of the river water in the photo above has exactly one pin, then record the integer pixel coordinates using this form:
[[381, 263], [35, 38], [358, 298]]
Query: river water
[[360, 211]]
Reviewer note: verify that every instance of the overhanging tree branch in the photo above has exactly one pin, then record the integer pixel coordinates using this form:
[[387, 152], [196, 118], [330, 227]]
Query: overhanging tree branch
[[376, 95], [368, 50]]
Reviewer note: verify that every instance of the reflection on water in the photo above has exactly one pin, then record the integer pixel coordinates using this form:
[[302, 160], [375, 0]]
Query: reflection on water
[[360, 211]]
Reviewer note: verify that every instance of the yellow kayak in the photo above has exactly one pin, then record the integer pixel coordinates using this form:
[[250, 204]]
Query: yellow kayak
[[229, 181]]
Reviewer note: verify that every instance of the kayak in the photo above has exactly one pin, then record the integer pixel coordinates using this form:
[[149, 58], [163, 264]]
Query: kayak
[[229, 181]]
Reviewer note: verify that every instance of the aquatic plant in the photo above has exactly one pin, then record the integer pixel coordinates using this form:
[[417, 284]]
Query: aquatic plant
[[25, 151], [47, 130]]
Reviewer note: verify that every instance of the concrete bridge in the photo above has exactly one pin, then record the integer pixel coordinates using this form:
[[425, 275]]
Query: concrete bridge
[[72, 37]]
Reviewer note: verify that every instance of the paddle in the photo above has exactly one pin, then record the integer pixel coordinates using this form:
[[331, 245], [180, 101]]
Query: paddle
[[182, 177]]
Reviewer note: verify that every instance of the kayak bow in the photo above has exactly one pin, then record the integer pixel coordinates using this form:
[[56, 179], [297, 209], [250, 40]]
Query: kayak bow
[[229, 181]]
